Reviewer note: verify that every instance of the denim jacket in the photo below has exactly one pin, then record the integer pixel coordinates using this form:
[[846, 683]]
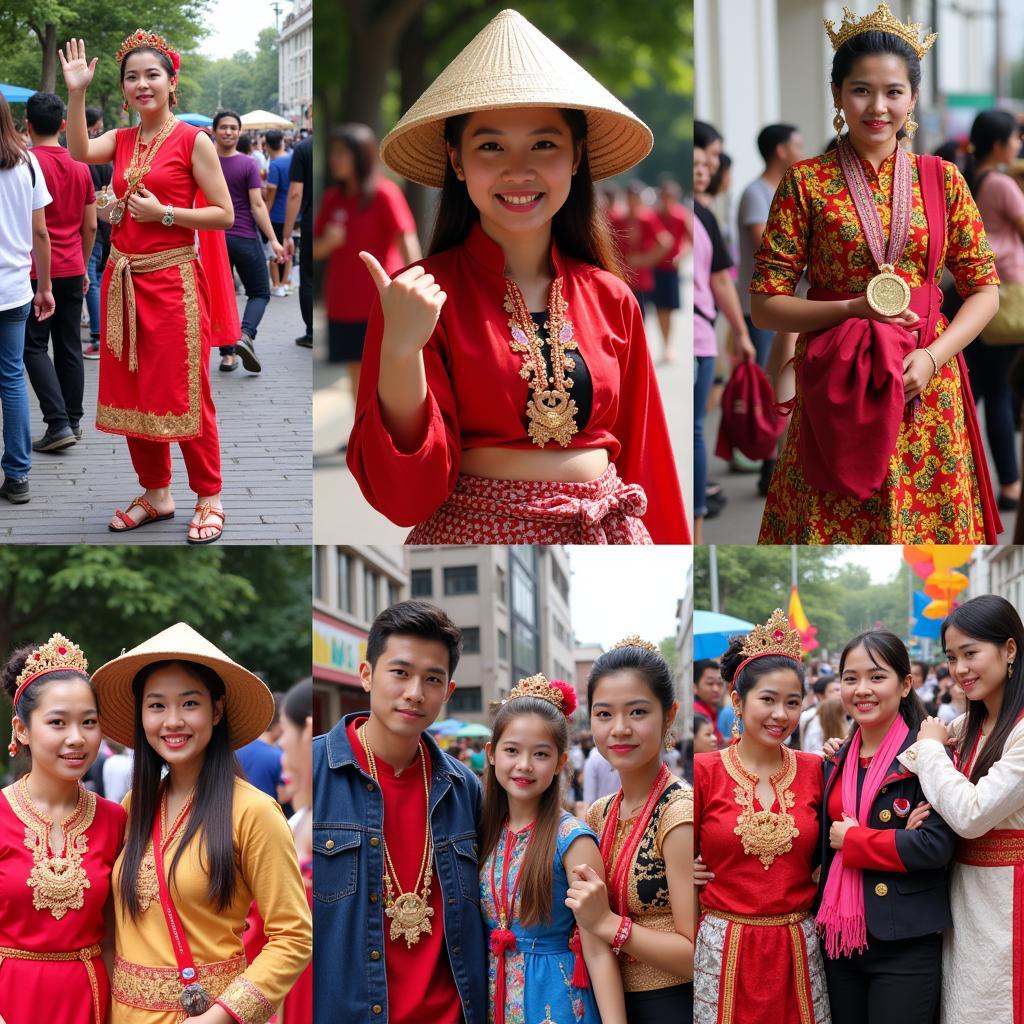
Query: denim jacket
[[348, 912]]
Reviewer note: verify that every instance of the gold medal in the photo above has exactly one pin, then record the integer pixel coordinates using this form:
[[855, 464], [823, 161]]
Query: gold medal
[[887, 293]]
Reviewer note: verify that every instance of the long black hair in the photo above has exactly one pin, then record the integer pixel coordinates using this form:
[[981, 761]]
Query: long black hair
[[887, 650], [990, 128], [210, 817], [579, 228], [993, 620]]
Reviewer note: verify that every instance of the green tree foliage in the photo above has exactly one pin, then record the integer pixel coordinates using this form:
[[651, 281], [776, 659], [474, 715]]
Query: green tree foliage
[[253, 602], [246, 81], [838, 598]]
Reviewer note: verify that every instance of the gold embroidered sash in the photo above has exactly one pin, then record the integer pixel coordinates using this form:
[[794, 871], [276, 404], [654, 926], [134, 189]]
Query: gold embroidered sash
[[158, 988], [769, 921], [998, 848], [122, 291], [85, 955]]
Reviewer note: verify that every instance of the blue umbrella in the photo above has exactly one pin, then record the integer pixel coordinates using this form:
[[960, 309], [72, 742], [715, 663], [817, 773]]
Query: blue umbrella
[[15, 93], [446, 727], [199, 120], [712, 632]]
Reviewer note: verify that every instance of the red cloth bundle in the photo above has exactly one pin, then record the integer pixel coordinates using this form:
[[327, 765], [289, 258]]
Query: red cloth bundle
[[750, 422]]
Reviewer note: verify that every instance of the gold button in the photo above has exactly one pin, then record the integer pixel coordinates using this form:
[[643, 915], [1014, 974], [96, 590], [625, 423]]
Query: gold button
[[885, 815], [377, 1008], [329, 844], [373, 897], [375, 955], [369, 787], [375, 841], [881, 889], [884, 789]]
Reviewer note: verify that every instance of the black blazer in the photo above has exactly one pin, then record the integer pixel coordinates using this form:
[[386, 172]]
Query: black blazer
[[898, 904]]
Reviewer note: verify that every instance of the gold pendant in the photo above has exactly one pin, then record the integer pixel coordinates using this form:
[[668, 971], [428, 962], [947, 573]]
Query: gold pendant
[[552, 416], [147, 888], [104, 198], [888, 294], [410, 917], [116, 214]]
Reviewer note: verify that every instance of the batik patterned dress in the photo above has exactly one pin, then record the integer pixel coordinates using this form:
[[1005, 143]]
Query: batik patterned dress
[[930, 492]]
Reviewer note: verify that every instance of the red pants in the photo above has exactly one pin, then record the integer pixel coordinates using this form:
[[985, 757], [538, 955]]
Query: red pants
[[152, 459]]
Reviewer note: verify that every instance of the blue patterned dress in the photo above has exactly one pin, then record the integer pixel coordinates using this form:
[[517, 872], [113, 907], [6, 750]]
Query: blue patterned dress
[[539, 986]]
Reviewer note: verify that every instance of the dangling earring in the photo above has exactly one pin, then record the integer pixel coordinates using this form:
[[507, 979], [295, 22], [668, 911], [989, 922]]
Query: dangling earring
[[910, 125], [670, 741], [1009, 670], [124, 106], [174, 99], [12, 747], [736, 728], [838, 122]]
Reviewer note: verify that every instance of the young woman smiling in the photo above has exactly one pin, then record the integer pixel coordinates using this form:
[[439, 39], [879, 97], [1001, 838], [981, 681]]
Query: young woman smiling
[[884, 445], [58, 842], [507, 392], [980, 793], [883, 884]]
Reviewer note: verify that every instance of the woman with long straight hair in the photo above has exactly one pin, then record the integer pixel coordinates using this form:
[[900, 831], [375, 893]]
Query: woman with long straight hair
[[23, 235], [980, 794], [201, 845], [508, 394]]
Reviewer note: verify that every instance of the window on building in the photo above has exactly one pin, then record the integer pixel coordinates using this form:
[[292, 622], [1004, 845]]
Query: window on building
[[460, 579], [422, 582], [471, 640], [371, 595], [559, 580], [502, 645], [345, 574], [501, 578], [466, 698], [318, 573], [394, 593]]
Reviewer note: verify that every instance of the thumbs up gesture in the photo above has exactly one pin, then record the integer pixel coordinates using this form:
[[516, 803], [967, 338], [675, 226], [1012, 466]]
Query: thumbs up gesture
[[411, 304]]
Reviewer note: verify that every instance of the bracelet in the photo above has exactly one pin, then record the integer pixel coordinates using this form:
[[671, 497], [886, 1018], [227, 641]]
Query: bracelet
[[928, 353], [622, 934]]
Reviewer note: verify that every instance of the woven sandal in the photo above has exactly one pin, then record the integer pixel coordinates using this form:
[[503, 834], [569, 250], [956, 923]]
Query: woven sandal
[[206, 510], [152, 516]]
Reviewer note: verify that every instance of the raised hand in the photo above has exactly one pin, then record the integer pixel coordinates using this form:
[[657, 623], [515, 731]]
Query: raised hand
[[77, 70], [411, 304]]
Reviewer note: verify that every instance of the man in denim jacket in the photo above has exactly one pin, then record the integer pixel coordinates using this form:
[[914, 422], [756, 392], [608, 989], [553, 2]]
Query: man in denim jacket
[[374, 777]]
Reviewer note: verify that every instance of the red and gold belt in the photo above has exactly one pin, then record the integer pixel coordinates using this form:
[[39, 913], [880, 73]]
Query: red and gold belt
[[86, 956]]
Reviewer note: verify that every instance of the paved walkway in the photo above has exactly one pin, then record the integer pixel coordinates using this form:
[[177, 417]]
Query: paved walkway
[[266, 437]]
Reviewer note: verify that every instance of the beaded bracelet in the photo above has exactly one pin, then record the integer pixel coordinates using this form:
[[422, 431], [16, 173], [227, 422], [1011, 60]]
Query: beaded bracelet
[[928, 353], [622, 934]]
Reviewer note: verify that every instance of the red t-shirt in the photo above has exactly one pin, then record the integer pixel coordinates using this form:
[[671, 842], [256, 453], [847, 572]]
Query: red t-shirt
[[677, 224], [70, 184], [420, 982], [349, 288]]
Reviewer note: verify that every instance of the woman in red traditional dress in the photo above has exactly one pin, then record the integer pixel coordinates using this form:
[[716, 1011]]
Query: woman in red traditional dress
[[645, 909], [58, 843], [525, 408], [757, 806], [154, 369], [884, 445]]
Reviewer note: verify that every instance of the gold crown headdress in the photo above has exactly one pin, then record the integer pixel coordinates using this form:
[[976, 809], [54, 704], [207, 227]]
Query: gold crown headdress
[[562, 695], [635, 641], [149, 40], [58, 654], [776, 636], [882, 20]]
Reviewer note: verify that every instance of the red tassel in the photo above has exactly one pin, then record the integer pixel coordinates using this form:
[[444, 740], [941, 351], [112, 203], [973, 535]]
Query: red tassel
[[580, 977], [503, 940]]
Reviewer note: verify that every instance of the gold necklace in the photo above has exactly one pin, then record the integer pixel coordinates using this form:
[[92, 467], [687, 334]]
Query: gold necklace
[[551, 412], [139, 167], [410, 912], [147, 886]]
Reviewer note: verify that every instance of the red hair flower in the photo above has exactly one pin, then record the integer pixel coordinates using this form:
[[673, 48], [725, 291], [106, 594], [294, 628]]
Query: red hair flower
[[569, 702], [175, 59]]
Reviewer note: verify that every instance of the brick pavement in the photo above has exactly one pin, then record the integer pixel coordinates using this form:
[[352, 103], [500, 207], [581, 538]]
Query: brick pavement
[[265, 423]]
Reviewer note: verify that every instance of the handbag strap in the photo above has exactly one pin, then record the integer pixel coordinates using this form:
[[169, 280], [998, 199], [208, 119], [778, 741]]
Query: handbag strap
[[179, 940]]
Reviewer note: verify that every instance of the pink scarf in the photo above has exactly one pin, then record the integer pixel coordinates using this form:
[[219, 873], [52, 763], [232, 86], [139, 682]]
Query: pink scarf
[[841, 916]]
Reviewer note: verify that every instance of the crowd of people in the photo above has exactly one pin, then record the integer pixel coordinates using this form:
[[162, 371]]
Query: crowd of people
[[137, 232], [846, 863], [556, 909], [130, 837]]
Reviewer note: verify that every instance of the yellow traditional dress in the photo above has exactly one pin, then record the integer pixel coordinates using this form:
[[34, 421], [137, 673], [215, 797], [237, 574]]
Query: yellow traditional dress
[[145, 986], [931, 491]]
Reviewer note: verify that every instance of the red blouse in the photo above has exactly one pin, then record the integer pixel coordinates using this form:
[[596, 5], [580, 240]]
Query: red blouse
[[478, 399], [43, 918]]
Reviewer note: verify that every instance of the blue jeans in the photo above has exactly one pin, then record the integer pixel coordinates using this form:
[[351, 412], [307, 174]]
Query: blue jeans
[[246, 256], [92, 296], [703, 378], [762, 341], [17, 457]]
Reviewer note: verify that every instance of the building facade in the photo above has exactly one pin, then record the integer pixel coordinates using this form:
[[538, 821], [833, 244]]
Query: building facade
[[295, 64]]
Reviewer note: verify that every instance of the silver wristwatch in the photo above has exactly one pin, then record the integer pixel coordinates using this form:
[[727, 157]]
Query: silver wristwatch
[[168, 218]]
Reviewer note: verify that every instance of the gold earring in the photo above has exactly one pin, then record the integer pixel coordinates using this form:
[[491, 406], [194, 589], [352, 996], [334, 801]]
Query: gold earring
[[1009, 670], [670, 741], [838, 122], [124, 106], [910, 125], [736, 728], [12, 747]]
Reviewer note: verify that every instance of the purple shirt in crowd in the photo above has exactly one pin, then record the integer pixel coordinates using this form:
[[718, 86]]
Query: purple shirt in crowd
[[241, 174]]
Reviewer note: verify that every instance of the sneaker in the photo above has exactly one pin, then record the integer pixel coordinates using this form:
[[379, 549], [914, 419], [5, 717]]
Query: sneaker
[[279, 292], [741, 464], [76, 429], [91, 350], [304, 341], [245, 351], [54, 440], [15, 491]]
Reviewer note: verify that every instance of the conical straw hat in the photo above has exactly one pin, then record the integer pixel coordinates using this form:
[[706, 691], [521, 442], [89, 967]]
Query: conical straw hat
[[511, 64], [248, 703]]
